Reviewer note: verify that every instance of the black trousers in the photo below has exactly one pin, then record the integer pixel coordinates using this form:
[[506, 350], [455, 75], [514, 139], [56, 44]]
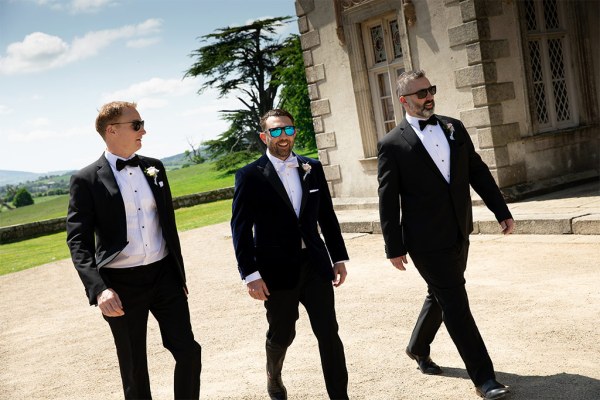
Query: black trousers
[[315, 292], [154, 288], [447, 301]]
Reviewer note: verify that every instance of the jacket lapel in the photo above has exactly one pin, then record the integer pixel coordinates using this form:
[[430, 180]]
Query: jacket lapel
[[107, 178], [408, 133], [105, 175], [268, 170], [304, 179]]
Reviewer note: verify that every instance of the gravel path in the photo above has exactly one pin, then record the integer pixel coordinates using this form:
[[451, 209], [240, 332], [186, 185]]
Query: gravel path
[[535, 299]]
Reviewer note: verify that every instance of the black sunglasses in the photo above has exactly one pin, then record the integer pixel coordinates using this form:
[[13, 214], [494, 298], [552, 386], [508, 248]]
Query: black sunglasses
[[421, 94], [276, 132], [137, 125]]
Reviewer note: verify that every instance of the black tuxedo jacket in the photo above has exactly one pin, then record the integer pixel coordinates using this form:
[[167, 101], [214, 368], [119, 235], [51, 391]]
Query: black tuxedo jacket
[[96, 225], [266, 232], [419, 210]]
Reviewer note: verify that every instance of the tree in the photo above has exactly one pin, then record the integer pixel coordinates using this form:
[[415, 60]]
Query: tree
[[195, 156], [10, 191], [245, 60], [294, 92], [22, 198]]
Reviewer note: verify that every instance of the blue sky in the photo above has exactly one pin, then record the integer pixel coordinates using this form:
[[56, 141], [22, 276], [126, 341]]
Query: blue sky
[[61, 59]]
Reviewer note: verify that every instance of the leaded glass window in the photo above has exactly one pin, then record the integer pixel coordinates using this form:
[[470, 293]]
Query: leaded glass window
[[378, 45], [383, 52], [548, 70]]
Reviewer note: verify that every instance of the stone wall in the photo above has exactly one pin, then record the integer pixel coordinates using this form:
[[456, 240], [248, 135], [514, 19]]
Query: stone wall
[[31, 230]]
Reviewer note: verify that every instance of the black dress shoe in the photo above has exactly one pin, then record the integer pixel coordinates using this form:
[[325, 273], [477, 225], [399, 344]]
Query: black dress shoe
[[426, 364], [491, 389], [276, 389]]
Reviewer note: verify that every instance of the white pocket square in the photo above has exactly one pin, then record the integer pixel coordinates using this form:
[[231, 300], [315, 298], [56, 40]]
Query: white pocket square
[[313, 190]]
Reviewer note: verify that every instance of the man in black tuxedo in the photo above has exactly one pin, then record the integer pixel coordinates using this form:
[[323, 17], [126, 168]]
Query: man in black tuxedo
[[124, 244], [426, 165], [279, 203]]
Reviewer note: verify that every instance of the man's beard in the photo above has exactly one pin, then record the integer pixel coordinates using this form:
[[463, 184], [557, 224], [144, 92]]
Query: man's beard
[[425, 112], [280, 153]]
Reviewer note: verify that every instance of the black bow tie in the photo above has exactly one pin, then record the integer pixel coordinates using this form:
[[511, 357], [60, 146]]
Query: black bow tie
[[430, 121], [133, 162]]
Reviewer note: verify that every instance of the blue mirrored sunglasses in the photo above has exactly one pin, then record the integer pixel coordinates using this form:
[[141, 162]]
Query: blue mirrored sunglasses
[[276, 132]]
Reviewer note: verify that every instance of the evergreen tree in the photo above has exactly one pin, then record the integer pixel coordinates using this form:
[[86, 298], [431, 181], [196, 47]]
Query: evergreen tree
[[22, 198], [252, 63], [294, 92]]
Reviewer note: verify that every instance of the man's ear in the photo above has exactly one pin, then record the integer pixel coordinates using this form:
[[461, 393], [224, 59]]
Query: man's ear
[[263, 137], [402, 99]]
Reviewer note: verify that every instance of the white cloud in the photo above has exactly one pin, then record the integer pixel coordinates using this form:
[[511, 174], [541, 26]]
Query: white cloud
[[153, 87], [39, 122], [5, 110], [39, 51], [38, 134], [143, 42], [87, 6], [148, 103], [76, 6]]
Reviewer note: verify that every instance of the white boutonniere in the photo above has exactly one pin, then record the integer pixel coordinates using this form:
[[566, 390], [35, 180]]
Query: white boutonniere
[[152, 172], [306, 167], [451, 130]]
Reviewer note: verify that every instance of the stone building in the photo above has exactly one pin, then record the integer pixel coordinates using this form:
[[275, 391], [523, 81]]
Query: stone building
[[522, 75]]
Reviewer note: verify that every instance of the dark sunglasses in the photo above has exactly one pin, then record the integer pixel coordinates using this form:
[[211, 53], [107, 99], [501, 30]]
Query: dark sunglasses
[[276, 132], [136, 125], [421, 94]]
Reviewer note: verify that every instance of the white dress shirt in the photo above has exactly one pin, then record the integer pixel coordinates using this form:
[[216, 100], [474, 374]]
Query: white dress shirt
[[144, 234], [435, 143]]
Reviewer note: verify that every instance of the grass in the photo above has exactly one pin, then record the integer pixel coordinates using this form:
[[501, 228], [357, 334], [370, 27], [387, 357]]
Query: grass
[[50, 207], [194, 179], [33, 252], [198, 178]]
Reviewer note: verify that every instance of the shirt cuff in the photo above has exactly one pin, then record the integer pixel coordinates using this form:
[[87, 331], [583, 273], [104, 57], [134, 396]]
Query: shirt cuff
[[252, 277], [339, 262]]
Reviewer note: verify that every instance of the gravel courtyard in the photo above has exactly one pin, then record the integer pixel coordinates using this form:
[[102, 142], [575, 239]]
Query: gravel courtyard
[[536, 300]]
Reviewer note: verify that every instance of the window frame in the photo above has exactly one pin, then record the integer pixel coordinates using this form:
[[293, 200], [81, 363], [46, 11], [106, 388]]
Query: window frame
[[543, 36], [390, 67]]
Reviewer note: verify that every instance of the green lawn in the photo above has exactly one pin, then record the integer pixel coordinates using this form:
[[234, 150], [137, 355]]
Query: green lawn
[[48, 208], [42, 250], [194, 179], [197, 179], [33, 252]]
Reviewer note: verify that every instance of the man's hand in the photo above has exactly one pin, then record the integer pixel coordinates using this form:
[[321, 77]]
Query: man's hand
[[508, 226], [110, 303], [339, 274], [258, 289], [399, 262]]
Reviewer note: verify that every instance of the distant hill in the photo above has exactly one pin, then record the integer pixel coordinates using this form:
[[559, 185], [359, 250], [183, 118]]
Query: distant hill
[[16, 177], [174, 162]]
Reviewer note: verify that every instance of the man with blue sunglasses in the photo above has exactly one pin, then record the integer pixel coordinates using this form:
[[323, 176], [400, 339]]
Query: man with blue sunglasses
[[280, 202]]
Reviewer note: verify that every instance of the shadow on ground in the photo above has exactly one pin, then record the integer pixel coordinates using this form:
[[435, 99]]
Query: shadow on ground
[[524, 387]]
